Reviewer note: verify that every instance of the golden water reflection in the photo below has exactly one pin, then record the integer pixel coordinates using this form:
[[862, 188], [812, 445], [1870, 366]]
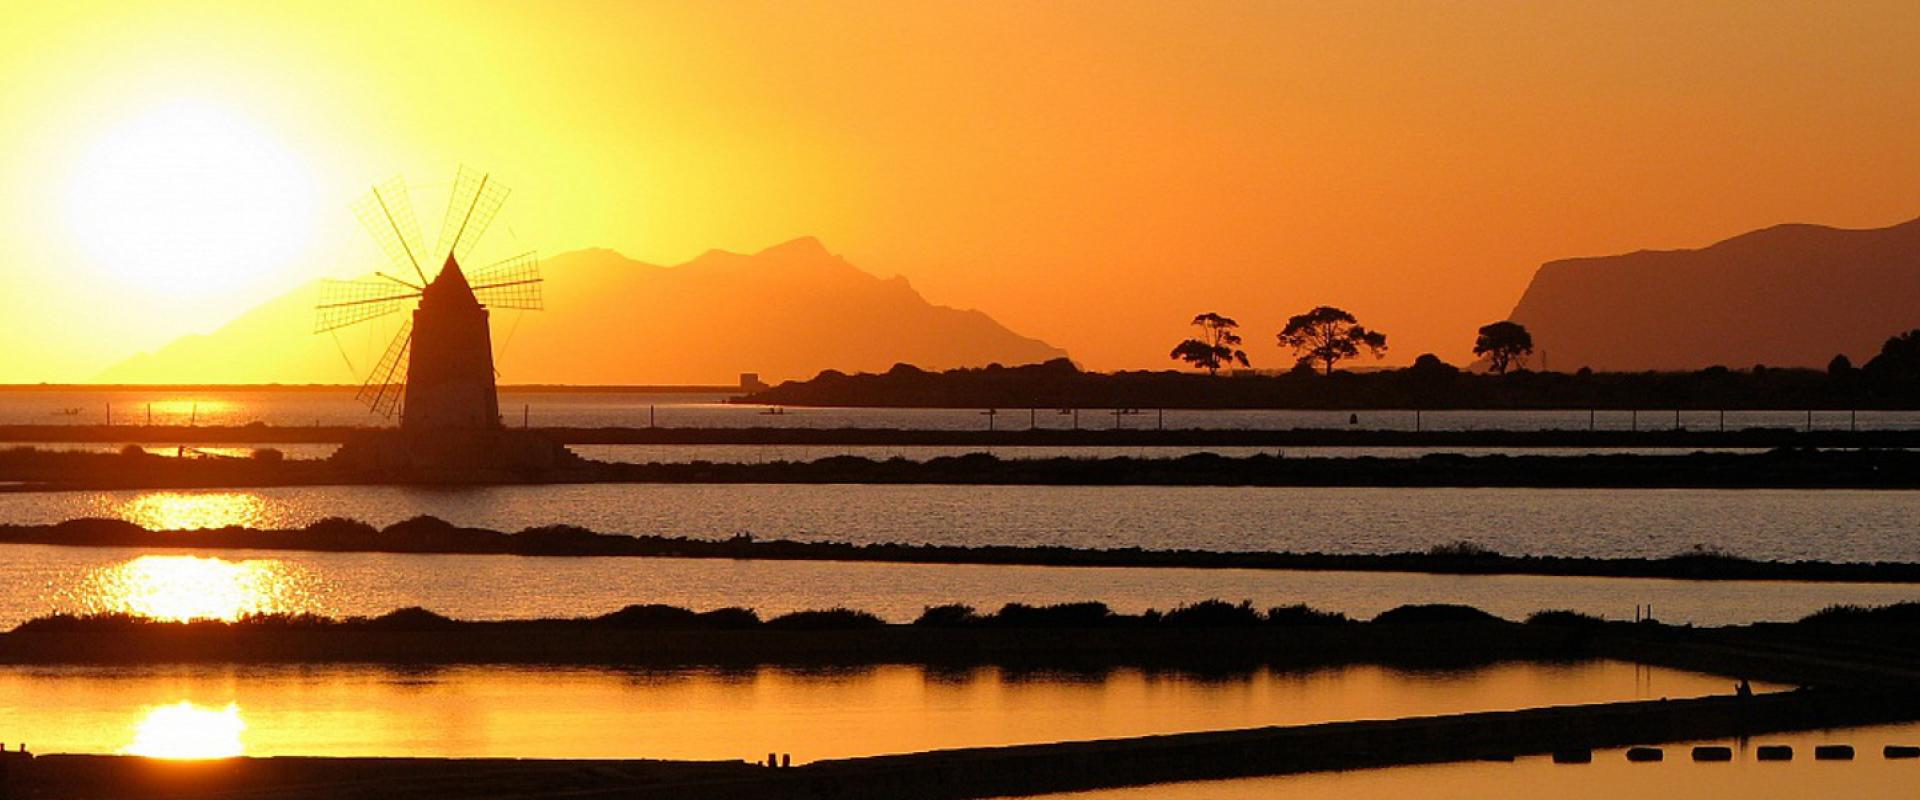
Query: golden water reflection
[[179, 588], [189, 510], [186, 730]]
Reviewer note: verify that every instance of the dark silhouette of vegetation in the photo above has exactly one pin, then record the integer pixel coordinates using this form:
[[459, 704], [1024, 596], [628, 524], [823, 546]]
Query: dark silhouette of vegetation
[[1432, 614], [1503, 344], [1429, 384], [1328, 335], [1565, 619], [1218, 344], [428, 535]]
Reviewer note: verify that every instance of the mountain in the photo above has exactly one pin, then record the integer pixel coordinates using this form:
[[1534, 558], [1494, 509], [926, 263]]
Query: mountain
[[786, 312], [1789, 295]]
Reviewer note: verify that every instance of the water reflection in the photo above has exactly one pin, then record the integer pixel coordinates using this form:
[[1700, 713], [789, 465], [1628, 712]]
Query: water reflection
[[179, 588], [517, 711], [172, 511], [185, 730]]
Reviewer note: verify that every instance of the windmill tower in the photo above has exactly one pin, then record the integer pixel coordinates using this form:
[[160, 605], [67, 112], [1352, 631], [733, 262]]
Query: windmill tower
[[437, 374]]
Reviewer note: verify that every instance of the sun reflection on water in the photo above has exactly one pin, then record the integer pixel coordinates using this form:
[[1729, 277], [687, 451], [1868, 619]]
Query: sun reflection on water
[[188, 510], [179, 588], [185, 730]]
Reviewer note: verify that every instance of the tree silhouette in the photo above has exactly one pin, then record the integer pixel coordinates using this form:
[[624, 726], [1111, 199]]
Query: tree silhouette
[[1327, 336], [1216, 347], [1505, 344]]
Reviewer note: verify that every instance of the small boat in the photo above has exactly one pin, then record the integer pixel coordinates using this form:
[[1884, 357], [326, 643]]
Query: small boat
[[67, 412], [776, 411]]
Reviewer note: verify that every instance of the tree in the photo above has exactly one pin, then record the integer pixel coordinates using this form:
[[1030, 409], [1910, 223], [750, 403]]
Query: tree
[[1216, 347], [1327, 336], [1504, 344]]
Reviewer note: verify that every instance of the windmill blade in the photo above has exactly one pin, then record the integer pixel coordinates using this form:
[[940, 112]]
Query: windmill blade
[[476, 199], [344, 303], [512, 283], [387, 214], [385, 388]]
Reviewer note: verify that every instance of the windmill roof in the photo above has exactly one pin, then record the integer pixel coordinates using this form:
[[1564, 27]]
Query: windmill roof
[[449, 288]]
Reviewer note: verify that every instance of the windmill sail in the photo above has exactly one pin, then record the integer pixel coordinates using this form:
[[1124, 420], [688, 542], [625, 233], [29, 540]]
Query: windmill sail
[[476, 199], [513, 283], [385, 388], [387, 214], [344, 303]]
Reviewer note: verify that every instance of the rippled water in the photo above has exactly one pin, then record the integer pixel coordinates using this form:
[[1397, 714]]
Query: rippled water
[[1609, 777], [36, 580], [1781, 524], [637, 409], [357, 710]]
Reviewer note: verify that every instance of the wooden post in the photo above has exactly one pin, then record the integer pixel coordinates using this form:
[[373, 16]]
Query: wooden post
[[1723, 420], [1635, 423], [650, 416], [1161, 423]]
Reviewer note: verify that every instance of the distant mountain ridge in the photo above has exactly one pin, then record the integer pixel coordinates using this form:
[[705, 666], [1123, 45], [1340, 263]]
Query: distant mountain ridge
[[788, 311], [1788, 295]]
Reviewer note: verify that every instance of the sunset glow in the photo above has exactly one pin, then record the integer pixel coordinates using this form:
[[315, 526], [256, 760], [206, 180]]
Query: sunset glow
[[180, 588], [188, 731], [1089, 179], [190, 198]]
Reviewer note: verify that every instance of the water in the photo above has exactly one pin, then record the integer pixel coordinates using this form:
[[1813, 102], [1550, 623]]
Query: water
[[638, 409], [363, 710], [1609, 777], [769, 453], [36, 580], [1774, 524]]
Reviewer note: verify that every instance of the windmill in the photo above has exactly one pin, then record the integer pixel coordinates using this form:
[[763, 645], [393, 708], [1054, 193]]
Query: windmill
[[437, 373]]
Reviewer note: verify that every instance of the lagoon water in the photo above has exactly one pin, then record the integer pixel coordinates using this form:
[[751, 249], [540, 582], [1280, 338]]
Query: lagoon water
[[639, 409], [465, 711], [1609, 777], [36, 580], [1774, 524]]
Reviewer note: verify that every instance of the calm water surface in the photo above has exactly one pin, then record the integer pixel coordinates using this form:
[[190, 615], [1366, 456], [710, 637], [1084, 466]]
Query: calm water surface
[[37, 580], [706, 714], [637, 409], [1774, 524], [1609, 777]]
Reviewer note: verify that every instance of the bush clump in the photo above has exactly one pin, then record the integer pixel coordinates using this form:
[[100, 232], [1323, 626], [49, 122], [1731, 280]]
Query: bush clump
[[1432, 613], [1562, 618], [833, 619]]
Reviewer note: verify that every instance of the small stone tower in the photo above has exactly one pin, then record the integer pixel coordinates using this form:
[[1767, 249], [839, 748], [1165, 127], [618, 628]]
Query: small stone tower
[[450, 383]]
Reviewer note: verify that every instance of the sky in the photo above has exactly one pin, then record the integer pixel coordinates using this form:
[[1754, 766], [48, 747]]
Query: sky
[[1089, 173]]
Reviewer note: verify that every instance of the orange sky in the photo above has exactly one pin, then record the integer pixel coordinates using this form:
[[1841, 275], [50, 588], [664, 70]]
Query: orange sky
[[1089, 173]]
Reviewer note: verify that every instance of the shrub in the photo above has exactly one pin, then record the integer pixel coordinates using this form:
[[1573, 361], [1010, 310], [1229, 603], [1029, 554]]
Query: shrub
[[1561, 618], [651, 616], [413, 618], [1461, 548], [1062, 615], [948, 616], [1303, 614], [833, 619], [1213, 614], [1433, 613], [1901, 613], [733, 618]]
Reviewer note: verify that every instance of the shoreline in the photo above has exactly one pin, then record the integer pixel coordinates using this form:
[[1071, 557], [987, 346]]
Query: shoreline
[[27, 469], [431, 536], [1651, 436]]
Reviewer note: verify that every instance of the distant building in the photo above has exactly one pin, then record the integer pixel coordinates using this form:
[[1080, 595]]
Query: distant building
[[750, 382]]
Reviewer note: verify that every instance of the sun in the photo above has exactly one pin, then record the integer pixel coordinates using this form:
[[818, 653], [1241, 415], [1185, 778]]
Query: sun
[[190, 198]]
